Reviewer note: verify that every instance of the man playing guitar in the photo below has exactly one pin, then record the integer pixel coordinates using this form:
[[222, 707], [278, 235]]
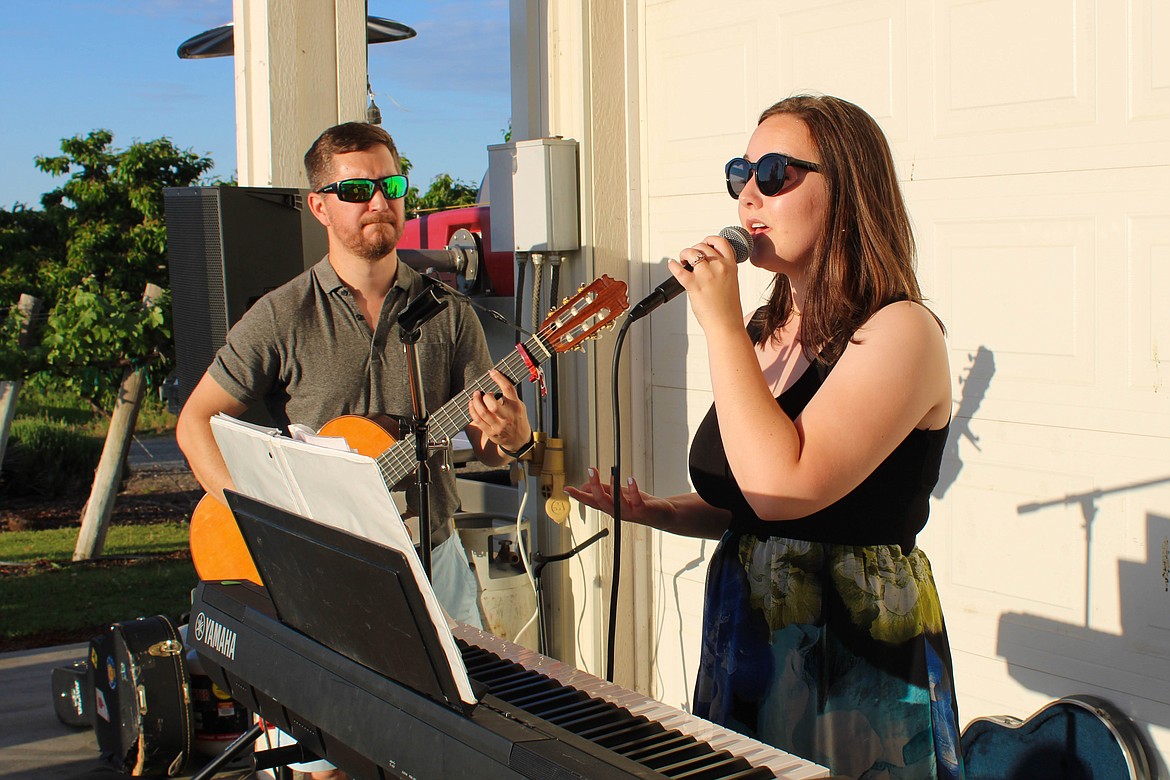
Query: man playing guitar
[[326, 344]]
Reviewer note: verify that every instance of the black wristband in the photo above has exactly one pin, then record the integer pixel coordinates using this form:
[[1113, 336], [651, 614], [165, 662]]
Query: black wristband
[[524, 448]]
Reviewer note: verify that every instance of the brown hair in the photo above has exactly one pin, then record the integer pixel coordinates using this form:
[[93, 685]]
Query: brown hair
[[865, 256], [341, 139]]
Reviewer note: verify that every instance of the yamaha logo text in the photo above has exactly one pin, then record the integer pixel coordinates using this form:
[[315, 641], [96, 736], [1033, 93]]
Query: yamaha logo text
[[216, 636]]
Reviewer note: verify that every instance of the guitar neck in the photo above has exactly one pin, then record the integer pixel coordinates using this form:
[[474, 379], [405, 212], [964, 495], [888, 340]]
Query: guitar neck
[[452, 417]]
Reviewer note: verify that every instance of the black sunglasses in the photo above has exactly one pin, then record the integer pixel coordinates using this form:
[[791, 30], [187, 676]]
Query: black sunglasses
[[362, 190], [769, 171]]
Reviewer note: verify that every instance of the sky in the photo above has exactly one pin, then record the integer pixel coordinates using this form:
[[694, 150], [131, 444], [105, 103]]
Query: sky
[[68, 67]]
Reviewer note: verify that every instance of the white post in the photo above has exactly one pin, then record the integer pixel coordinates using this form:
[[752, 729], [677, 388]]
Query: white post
[[300, 68], [29, 308], [95, 518], [529, 61]]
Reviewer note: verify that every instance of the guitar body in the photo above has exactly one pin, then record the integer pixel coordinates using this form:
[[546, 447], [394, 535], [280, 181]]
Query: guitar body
[[1074, 738], [218, 549], [369, 436]]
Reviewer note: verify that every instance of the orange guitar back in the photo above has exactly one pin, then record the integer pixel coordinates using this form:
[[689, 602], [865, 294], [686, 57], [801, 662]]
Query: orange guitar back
[[217, 546]]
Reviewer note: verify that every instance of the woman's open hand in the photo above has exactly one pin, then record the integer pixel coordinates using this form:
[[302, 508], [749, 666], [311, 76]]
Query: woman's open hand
[[637, 507]]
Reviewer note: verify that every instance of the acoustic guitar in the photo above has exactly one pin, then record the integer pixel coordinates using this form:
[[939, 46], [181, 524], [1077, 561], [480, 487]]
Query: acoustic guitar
[[218, 549]]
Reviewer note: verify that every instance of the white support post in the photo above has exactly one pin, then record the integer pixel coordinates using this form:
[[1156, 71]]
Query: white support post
[[95, 518], [300, 68]]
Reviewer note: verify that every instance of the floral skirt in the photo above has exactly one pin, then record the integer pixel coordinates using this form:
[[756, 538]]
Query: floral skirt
[[835, 653]]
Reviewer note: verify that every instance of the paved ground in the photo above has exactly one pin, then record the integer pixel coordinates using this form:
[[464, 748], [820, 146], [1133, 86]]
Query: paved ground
[[33, 742], [156, 453]]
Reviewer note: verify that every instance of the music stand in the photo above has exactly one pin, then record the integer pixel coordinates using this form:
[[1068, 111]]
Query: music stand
[[357, 597]]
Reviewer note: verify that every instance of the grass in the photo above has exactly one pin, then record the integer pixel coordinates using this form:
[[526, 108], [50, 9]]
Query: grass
[[56, 544], [146, 569], [50, 599], [38, 399], [87, 597]]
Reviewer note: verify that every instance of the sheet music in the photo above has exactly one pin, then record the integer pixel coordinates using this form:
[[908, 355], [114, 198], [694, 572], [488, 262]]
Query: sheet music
[[304, 433], [254, 462], [333, 487]]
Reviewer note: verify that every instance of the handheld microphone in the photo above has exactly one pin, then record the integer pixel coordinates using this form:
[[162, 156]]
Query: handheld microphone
[[741, 244]]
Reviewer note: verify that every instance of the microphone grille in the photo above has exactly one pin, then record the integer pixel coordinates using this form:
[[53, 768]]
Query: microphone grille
[[740, 240]]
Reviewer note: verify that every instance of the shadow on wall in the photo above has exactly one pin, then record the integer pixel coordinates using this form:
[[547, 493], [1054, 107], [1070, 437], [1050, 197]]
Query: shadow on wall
[[1046, 655], [693, 565], [975, 385], [1049, 656]]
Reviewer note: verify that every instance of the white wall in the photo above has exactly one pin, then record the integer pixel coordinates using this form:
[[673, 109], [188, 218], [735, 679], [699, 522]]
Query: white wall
[[1032, 138]]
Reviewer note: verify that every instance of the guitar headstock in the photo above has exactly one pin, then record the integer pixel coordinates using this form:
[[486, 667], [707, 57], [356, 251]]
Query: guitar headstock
[[594, 307]]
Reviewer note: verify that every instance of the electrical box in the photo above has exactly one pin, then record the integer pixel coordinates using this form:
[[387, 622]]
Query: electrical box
[[533, 190]]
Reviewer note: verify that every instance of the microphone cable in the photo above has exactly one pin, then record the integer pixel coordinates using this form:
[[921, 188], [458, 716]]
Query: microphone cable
[[741, 245], [615, 475]]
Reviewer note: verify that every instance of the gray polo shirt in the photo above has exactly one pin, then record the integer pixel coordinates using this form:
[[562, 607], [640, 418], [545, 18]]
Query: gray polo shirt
[[306, 351]]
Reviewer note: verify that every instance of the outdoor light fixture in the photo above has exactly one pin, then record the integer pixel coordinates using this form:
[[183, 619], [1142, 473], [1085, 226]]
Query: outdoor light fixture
[[373, 113], [219, 41]]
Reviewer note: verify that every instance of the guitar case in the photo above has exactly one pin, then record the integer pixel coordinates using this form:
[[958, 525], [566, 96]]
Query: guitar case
[[141, 697], [1078, 737]]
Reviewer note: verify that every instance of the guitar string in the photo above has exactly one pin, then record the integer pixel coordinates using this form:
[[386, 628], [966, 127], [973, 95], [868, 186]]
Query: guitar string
[[399, 460]]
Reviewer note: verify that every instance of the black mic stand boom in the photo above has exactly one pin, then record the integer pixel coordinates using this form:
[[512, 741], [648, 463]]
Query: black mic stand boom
[[418, 312]]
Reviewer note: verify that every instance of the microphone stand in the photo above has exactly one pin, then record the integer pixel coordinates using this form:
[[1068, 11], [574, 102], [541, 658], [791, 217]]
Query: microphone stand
[[417, 313], [538, 570], [741, 245]]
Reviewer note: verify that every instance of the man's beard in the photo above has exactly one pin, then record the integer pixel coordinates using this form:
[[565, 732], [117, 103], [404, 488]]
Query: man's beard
[[375, 244]]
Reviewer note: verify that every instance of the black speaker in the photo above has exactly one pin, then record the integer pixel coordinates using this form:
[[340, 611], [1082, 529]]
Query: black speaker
[[226, 247]]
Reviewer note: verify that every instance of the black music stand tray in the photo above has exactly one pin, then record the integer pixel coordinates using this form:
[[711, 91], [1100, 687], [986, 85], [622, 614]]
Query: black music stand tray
[[357, 597]]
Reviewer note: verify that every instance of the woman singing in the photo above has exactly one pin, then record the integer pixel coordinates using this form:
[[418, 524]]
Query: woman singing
[[823, 633]]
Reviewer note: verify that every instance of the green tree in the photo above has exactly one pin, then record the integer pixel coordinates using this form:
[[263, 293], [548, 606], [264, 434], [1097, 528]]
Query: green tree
[[445, 192], [89, 253]]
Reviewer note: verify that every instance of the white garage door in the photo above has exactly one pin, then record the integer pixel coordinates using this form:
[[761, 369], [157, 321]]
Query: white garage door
[[1033, 141]]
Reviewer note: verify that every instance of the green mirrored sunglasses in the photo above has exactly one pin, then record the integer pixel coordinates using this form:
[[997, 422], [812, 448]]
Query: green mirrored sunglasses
[[362, 190]]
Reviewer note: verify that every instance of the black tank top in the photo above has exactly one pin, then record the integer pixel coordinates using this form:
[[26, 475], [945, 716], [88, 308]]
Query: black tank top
[[889, 507]]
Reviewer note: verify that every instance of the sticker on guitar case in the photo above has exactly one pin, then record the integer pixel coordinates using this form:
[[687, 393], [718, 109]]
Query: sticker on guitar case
[[100, 705]]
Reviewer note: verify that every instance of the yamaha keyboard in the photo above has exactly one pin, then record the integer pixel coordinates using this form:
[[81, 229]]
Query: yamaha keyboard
[[537, 717]]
